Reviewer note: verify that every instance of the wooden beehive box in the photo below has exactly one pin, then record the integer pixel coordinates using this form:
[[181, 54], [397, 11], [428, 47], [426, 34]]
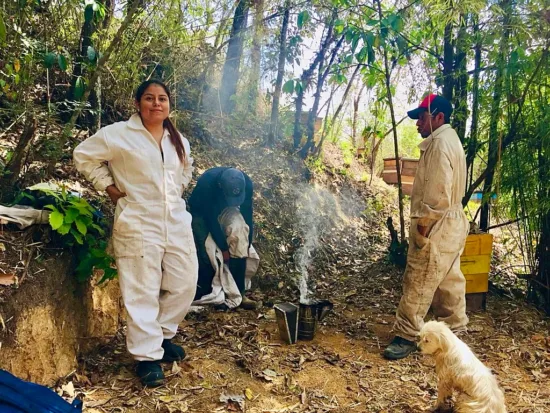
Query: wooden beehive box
[[408, 171], [475, 264]]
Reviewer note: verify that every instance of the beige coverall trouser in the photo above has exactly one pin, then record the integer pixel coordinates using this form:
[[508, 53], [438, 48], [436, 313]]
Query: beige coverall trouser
[[433, 276], [152, 237]]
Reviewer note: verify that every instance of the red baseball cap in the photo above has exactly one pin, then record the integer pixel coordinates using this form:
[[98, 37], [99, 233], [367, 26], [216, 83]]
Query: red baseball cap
[[434, 104]]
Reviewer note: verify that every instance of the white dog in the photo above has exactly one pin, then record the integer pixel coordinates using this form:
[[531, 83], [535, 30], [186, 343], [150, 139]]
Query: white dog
[[459, 369]]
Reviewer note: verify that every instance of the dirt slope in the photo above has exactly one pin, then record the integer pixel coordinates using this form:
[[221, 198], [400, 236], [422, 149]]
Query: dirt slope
[[341, 370]]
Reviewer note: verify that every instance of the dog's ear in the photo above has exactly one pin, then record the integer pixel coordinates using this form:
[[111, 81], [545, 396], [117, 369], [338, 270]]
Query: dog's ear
[[444, 340]]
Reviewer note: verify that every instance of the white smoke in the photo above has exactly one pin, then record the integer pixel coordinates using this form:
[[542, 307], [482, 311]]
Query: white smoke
[[317, 211]]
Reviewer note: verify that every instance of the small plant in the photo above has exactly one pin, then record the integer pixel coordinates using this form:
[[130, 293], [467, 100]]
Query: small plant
[[315, 163], [80, 226]]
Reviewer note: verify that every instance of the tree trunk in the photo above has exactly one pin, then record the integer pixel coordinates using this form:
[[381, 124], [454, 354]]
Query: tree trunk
[[304, 82], [13, 167], [86, 32], [461, 81], [312, 117], [387, 75], [211, 63], [473, 140], [448, 59], [356, 114], [54, 145], [344, 98], [274, 125], [512, 130], [543, 245], [326, 128], [231, 74], [494, 141], [255, 57]]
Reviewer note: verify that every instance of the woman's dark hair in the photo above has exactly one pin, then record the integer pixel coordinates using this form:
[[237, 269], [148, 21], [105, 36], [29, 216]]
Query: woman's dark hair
[[174, 134]]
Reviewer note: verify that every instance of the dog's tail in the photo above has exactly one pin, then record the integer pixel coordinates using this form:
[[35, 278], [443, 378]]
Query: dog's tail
[[490, 400]]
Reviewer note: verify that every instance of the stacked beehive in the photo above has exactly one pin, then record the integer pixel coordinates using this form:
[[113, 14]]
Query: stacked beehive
[[475, 264]]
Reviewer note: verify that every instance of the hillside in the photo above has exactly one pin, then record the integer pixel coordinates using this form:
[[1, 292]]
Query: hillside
[[340, 220]]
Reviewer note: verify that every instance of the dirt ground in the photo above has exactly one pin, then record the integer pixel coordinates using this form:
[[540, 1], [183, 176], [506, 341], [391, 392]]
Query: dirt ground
[[236, 360], [341, 370]]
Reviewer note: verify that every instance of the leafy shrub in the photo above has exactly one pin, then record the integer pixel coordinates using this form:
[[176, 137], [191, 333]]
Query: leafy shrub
[[81, 228]]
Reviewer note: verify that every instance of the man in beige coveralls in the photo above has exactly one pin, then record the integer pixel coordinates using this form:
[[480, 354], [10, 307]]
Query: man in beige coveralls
[[438, 231]]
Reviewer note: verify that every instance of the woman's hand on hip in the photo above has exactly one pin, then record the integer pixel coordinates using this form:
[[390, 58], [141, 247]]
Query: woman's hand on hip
[[114, 193]]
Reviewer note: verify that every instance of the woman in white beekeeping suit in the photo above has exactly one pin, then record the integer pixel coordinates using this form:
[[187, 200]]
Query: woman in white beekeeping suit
[[143, 164]]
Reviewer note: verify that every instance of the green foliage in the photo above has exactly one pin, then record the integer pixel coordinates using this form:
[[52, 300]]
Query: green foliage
[[288, 87], [303, 18], [79, 88], [2, 30], [348, 150], [72, 218]]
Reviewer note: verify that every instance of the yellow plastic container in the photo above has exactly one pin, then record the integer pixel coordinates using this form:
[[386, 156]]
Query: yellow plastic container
[[475, 262]]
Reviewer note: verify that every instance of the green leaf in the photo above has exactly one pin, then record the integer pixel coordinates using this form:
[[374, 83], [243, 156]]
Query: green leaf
[[56, 219], [79, 88], [288, 87], [71, 215], [299, 88], [85, 268], [369, 39], [349, 35], [362, 55], [84, 211], [371, 80], [2, 30], [339, 26], [92, 55], [108, 274], [89, 13], [99, 229], [371, 56], [98, 253], [77, 236], [62, 62], [303, 18], [355, 41], [396, 22], [49, 59], [81, 226], [64, 229]]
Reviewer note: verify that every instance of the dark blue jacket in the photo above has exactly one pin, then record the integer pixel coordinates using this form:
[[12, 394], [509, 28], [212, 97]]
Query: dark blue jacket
[[207, 200]]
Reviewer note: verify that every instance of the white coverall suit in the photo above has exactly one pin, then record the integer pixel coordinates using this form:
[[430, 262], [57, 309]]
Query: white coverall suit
[[152, 237], [433, 276]]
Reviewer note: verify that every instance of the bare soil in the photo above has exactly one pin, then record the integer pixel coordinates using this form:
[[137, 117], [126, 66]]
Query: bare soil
[[341, 370], [240, 353], [239, 356]]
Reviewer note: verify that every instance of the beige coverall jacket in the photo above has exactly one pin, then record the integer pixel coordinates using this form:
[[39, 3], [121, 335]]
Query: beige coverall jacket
[[432, 276], [152, 237]]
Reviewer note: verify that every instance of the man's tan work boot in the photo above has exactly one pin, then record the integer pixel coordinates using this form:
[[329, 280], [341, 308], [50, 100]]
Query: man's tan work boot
[[248, 304]]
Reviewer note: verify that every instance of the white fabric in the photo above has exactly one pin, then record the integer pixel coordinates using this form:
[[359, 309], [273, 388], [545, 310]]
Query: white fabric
[[24, 216], [236, 230], [224, 288], [157, 289], [152, 236]]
